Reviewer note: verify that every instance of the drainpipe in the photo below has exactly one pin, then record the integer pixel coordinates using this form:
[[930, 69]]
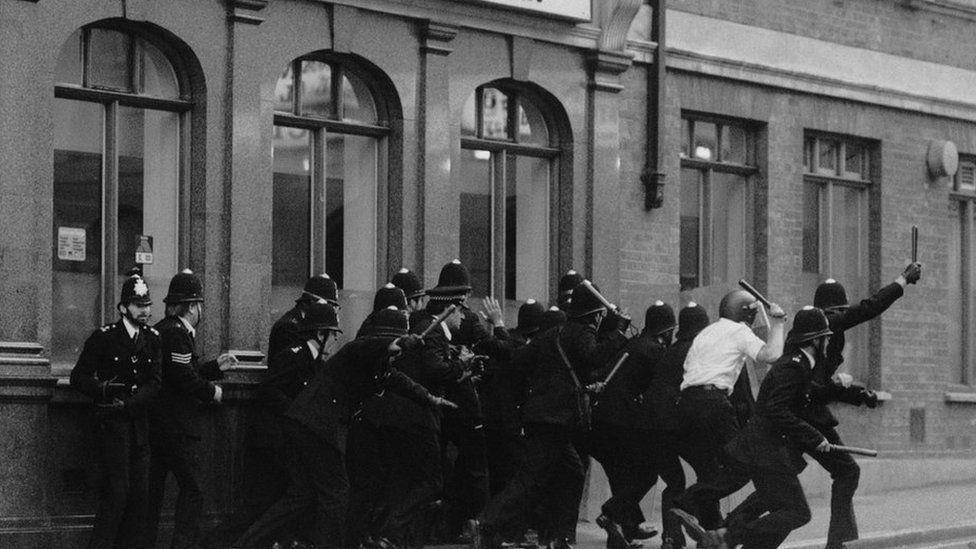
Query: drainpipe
[[653, 175]]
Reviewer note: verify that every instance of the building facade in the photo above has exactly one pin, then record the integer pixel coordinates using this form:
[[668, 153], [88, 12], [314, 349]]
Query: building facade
[[260, 141]]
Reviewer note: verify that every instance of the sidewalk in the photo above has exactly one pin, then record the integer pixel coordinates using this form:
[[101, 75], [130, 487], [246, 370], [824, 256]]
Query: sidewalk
[[886, 520]]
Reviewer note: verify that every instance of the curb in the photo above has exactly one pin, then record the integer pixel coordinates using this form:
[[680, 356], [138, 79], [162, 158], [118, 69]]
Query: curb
[[899, 538]]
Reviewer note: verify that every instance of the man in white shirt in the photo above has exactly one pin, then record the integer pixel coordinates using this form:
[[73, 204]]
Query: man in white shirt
[[708, 419]]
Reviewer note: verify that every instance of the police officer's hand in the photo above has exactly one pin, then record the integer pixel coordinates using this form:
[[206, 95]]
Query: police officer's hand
[[405, 344], [844, 380], [443, 402], [596, 388], [824, 446], [912, 273], [226, 361], [776, 312], [869, 398], [493, 312], [619, 319]]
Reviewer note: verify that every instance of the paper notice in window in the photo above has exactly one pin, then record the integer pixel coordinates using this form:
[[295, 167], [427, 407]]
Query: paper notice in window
[[144, 249], [71, 244]]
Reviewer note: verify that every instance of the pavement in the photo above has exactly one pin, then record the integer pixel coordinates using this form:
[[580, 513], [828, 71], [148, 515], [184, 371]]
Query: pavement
[[931, 517]]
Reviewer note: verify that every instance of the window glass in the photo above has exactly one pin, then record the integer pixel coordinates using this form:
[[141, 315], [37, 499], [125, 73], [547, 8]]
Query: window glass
[[690, 228], [285, 91], [110, 60], [854, 160], [469, 124], [357, 101], [735, 145], [158, 77], [291, 213], [77, 227], [317, 90], [705, 140], [527, 230], [532, 126], [475, 218], [685, 137], [955, 289], [350, 222], [148, 192], [728, 228], [827, 158], [68, 69], [494, 113], [811, 228]]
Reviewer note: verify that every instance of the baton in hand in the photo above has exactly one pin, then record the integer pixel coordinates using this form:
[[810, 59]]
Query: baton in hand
[[616, 367], [755, 293], [853, 450], [914, 243], [603, 301], [438, 320]]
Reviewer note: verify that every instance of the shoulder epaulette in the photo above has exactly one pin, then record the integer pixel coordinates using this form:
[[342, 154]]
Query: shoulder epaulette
[[106, 327], [296, 349]]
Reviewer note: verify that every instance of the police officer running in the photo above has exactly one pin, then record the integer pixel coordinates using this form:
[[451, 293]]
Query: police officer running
[[119, 369]]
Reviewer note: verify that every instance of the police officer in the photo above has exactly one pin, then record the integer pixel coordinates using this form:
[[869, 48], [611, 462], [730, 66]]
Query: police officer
[[175, 416], [708, 420], [557, 364], [567, 283], [119, 369], [831, 386], [622, 438], [284, 332], [771, 445], [413, 289]]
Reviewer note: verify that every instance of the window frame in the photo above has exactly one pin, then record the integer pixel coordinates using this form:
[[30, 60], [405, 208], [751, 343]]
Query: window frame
[[319, 129], [966, 202], [112, 99], [707, 168], [501, 150]]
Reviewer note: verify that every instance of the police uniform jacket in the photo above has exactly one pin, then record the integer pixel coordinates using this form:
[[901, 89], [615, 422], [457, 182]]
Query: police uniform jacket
[[840, 320], [289, 371], [500, 390], [340, 387], [186, 384], [132, 369], [551, 395], [622, 403], [776, 437], [459, 391], [665, 388], [285, 332]]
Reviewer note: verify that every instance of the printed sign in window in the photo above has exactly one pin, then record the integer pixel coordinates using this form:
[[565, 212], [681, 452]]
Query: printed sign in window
[[144, 249], [71, 244]]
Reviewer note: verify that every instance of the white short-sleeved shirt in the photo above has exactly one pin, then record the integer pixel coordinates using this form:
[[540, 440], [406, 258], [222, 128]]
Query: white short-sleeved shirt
[[718, 353]]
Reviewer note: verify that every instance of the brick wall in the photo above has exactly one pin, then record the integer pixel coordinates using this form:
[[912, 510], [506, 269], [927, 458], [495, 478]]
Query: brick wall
[[886, 26]]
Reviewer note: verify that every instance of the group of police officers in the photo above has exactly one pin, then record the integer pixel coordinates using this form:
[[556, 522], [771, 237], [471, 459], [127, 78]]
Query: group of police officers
[[436, 423]]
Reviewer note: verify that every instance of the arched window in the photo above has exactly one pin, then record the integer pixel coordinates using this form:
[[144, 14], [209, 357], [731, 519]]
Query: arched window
[[118, 126], [509, 153], [328, 142]]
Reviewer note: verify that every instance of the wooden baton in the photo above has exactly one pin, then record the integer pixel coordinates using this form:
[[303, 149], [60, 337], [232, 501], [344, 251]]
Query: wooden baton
[[755, 293], [853, 450], [914, 243], [598, 295], [438, 320], [616, 367]]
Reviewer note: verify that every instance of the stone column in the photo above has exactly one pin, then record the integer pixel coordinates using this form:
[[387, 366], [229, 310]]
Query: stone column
[[438, 239], [604, 236]]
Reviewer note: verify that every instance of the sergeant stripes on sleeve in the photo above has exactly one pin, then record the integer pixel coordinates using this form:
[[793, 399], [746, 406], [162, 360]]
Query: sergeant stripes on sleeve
[[181, 358]]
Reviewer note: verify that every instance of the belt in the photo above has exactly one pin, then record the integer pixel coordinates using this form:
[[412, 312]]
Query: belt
[[706, 387]]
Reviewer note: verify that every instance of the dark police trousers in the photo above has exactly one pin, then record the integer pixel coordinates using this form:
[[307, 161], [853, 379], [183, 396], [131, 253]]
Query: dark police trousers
[[123, 485], [780, 496], [552, 478], [845, 473], [179, 454], [708, 423]]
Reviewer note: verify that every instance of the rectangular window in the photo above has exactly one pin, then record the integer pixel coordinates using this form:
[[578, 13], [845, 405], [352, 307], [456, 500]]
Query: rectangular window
[[291, 216], [716, 227], [104, 210], [962, 213], [835, 229]]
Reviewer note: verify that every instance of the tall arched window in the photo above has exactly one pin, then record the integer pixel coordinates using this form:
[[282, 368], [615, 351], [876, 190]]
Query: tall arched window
[[118, 126], [509, 153], [328, 132]]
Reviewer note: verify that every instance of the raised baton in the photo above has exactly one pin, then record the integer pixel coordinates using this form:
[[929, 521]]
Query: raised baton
[[438, 320], [914, 243], [596, 293], [616, 367], [755, 293], [853, 450]]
